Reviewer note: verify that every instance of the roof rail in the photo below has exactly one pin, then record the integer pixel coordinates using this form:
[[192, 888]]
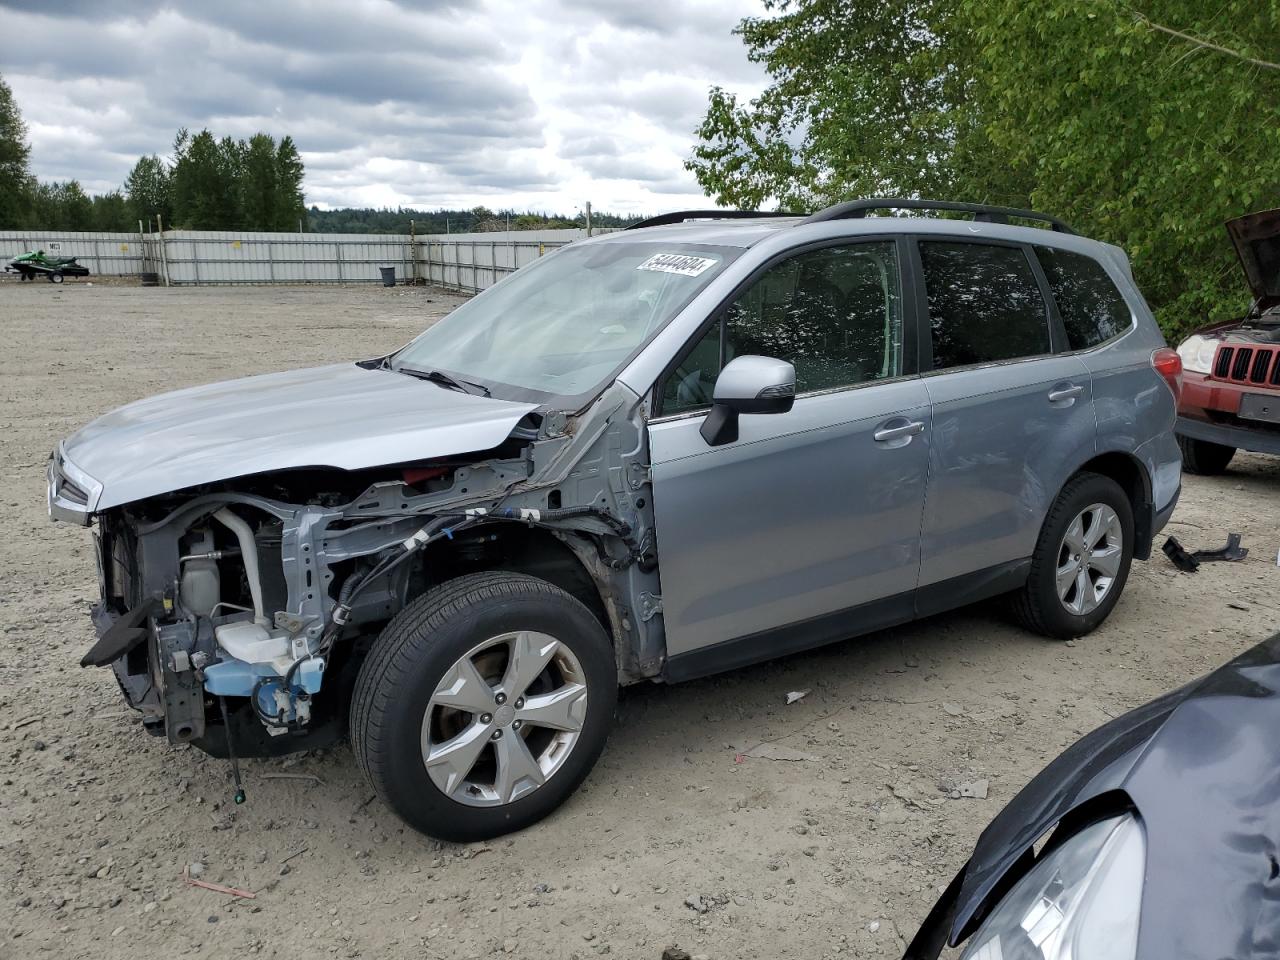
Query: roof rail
[[986, 213], [680, 216]]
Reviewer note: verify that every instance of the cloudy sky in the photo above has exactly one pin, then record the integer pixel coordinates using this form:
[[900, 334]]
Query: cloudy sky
[[538, 104]]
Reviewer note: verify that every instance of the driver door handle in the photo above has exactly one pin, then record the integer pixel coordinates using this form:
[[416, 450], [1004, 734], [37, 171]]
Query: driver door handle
[[1065, 391], [907, 429]]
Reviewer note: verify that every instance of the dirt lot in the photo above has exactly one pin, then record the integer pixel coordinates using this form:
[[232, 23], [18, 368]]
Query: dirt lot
[[831, 839]]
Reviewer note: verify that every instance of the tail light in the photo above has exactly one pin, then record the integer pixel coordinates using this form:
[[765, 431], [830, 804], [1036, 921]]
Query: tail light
[[1168, 364]]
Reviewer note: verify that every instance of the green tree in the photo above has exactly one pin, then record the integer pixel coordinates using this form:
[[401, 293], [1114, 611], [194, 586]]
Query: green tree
[[16, 182], [204, 182], [112, 213], [865, 99], [1145, 127], [61, 205], [259, 186], [213, 184], [148, 189], [290, 207]]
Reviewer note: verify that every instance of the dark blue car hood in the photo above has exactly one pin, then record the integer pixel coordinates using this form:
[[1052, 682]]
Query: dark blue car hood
[[1201, 766]]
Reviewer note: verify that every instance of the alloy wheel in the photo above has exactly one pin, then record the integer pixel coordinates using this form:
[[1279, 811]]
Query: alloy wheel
[[1089, 558], [504, 718]]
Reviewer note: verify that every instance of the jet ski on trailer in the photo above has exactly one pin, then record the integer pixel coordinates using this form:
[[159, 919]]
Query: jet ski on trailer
[[31, 265]]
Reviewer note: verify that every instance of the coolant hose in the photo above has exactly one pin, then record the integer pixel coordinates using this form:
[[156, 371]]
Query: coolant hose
[[249, 552]]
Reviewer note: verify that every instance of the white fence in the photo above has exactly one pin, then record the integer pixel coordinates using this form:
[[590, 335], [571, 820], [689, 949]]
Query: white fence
[[468, 262], [107, 254]]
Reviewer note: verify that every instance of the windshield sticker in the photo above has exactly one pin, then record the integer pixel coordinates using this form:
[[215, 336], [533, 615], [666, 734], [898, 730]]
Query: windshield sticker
[[679, 263]]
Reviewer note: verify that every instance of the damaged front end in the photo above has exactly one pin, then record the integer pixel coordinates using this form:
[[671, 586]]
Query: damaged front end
[[235, 615]]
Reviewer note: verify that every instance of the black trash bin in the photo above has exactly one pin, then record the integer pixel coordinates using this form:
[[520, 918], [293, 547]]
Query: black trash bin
[[388, 276]]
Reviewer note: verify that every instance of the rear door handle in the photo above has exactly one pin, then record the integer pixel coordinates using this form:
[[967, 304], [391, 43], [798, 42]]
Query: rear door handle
[[903, 429], [1065, 391]]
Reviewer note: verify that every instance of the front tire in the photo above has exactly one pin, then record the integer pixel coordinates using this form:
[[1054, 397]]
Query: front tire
[[1081, 561], [483, 705], [1204, 457]]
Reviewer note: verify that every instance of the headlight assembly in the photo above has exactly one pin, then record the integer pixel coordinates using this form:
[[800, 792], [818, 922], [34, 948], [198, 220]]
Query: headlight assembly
[[1197, 353], [1080, 902]]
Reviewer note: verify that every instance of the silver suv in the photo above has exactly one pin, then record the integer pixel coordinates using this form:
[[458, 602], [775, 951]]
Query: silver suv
[[708, 440]]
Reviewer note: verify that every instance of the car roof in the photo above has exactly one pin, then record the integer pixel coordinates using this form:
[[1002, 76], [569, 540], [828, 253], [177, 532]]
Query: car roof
[[747, 229]]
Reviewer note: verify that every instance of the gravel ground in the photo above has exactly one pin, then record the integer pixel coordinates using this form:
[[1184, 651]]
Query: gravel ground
[[831, 837]]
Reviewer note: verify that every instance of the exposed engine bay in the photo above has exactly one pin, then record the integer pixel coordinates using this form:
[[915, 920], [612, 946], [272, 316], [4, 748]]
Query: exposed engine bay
[[235, 615]]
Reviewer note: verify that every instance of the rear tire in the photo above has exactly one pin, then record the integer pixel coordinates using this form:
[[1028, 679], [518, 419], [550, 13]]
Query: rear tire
[[55, 277], [1204, 457], [1093, 587], [448, 651]]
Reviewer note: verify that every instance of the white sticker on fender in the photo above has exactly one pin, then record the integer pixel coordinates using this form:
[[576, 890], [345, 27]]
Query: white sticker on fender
[[679, 263]]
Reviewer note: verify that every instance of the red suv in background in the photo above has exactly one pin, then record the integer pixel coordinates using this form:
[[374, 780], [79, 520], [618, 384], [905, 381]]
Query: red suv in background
[[1231, 371]]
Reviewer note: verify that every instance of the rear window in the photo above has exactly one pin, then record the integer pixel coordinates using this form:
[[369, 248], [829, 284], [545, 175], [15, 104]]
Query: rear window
[[1092, 309], [984, 304]]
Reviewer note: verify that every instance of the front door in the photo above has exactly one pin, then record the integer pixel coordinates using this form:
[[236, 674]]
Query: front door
[[774, 542]]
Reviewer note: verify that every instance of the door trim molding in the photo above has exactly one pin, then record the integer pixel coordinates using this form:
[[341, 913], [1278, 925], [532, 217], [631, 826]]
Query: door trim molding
[[848, 623], [792, 638], [971, 587]]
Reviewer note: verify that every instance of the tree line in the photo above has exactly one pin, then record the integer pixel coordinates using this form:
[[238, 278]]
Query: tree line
[[1146, 124], [475, 220], [210, 184], [216, 183]]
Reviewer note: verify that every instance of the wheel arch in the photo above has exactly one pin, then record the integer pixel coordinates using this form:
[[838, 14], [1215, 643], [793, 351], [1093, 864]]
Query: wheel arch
[[1131, 474], [559, 559]]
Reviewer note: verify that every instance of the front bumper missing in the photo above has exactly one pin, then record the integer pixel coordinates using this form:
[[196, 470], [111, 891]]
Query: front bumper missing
[[117, 635], [124, 645], [141, 653]]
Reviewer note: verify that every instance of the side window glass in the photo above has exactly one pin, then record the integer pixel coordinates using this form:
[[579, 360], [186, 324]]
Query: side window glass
[[984, 304], [690, 384], [834, 313], [1092, 309]]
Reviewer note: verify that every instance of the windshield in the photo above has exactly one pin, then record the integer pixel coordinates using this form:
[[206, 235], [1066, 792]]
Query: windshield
[[566, 322]]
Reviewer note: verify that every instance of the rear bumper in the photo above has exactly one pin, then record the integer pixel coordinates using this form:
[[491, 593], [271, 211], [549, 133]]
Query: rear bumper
[[1228, 435], [1162, 515]]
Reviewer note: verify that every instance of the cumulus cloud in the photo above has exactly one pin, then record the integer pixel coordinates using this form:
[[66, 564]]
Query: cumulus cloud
[[542, 104]]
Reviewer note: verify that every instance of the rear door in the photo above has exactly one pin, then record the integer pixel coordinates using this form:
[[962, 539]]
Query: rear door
[[766, 542], [1011, 419], [1134, 409]]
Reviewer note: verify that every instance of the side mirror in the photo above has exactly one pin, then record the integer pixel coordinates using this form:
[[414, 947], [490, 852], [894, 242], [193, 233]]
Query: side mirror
[[748, 385]]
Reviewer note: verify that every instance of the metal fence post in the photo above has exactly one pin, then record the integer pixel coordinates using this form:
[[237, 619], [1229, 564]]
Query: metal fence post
[[413, 251], [164, 253]]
